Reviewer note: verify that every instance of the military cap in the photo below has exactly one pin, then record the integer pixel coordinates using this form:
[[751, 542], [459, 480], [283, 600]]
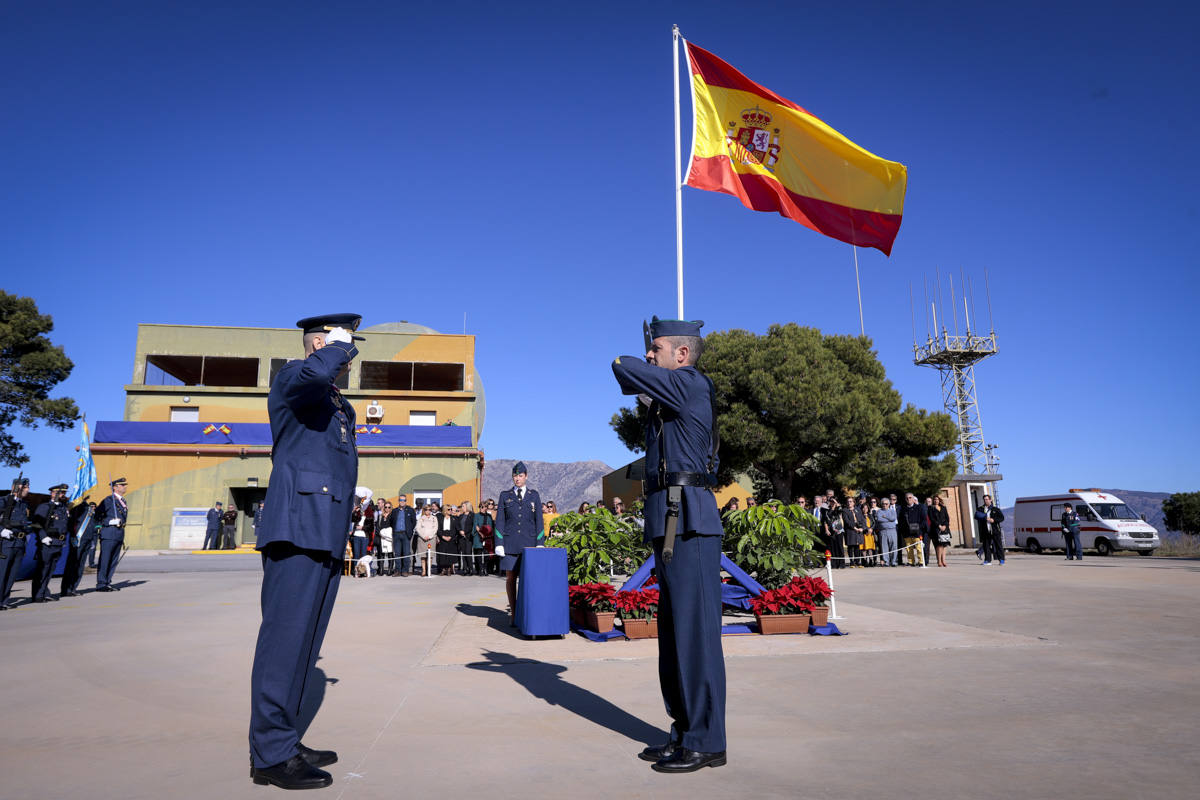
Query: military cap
[[519, 468], [674, 327], [327, 322], [117, 482], [62, 487], [218, 503], [20, 482]]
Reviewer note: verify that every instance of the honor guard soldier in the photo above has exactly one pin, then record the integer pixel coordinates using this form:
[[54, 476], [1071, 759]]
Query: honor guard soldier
[[518, 525], [302, 536], [82, 537], [52, 521], [684, 526], [112, 514], [15, 525]]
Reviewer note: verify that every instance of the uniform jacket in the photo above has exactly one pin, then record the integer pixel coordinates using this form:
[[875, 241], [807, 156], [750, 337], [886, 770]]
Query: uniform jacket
[[52, 519], [213, 521], [518, 523], [14, 514], [1070, 522], [684, 399], [314, 455], [111, 508]]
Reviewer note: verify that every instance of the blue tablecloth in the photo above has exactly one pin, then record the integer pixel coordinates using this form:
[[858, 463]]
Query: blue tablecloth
[[542, 605]]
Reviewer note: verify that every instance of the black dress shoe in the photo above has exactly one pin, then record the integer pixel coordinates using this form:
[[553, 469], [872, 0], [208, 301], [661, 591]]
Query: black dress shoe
[[686, 760], [318, 758], [663, 751], [295, 773], [52, 598], [105, 589], [40, 600], [72, 594]]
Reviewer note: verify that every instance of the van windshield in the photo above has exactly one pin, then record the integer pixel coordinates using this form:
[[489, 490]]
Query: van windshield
[[1114, 511]]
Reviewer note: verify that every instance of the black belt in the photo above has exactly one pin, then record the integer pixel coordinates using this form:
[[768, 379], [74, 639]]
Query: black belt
[[19, 534], [660, 481]]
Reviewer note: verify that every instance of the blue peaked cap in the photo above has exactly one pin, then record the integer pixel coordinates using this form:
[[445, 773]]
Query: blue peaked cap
[[674, 327]]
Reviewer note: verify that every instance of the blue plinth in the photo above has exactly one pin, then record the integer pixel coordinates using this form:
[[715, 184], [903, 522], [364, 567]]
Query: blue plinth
[[542, 605]]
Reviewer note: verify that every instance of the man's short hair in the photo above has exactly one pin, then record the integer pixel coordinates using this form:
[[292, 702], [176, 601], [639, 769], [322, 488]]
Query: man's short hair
[[694, 344]]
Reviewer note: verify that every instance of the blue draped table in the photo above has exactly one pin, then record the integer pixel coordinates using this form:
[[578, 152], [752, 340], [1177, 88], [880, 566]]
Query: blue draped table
[[542, 605]]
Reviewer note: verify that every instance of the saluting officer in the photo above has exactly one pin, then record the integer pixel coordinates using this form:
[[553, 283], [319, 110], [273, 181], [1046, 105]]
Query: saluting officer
[[302, 536], [14, 527], [52, 519], [518, 525], [112, 514], [684, 526]]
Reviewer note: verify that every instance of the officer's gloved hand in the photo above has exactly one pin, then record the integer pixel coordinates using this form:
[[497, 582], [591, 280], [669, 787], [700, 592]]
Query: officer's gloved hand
[[500, 550], [338, 335], [46, 540], [5, 534]]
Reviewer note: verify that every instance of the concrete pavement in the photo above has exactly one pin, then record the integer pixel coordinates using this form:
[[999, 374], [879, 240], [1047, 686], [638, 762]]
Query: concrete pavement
[[1039, 679]]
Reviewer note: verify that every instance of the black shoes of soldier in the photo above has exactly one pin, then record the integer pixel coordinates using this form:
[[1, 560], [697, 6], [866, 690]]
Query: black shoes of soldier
[[109, 588], [659, 753], [295, 773], [685, 760], [318, 758], [71, 593]]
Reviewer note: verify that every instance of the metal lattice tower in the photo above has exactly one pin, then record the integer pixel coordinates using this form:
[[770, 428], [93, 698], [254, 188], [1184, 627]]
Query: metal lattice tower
[[955, 357]]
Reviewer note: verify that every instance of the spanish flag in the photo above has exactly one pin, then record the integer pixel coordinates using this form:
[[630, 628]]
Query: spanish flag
[[774, 156]]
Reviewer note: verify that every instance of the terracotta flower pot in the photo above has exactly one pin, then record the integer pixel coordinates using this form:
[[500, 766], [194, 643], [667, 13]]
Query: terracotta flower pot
[[820, 615], [782, 623], [600, 621], [640, 628]]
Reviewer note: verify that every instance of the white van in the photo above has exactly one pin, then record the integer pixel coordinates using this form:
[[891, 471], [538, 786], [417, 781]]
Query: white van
[[1105, 523]]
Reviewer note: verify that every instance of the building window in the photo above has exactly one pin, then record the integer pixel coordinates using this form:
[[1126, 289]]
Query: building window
[[173, 370], [185, 414], [421, 498], [411, 376], [422, 418]]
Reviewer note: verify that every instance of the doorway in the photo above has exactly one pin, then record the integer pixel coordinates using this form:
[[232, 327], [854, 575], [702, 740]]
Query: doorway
[[246, 500]]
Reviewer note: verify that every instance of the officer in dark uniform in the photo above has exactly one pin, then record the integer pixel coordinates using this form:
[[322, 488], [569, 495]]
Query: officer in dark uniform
[[82, 530], [212, 527], [518, 525], [111, 515], [302, 538], [15, 525], [684, 526], [52, 521]]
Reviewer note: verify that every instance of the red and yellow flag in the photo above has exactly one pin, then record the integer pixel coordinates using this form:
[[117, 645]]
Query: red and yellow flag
[[774, 156]]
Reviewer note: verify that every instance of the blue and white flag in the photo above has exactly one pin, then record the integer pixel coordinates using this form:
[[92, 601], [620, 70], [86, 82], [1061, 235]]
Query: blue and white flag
[[85, 469]]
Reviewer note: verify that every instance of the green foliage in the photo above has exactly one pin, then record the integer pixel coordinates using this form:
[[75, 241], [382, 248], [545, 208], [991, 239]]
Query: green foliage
[[1181, 512], [803, 412], [772, 541], [596, 541], [30, 366]]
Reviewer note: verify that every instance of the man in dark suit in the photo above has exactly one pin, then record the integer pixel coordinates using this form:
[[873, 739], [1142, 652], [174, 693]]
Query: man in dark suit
[[15, 524], [518, 525], [52, 521], [684, 526], [212, 531], [81, 541], [302, 538], [112, 514], [404, 526]]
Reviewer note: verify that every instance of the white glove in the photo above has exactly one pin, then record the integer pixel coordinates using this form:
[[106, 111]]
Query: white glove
[[500, 550], [114, 523], [5, 534], [338, 335], [46, 540]]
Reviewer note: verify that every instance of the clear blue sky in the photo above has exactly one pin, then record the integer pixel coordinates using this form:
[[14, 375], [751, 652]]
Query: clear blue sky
[[250, 164]]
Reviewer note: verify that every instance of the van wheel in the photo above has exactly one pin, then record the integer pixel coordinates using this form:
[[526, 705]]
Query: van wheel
[[1103, 548], [1145, 552], [1032, 546]]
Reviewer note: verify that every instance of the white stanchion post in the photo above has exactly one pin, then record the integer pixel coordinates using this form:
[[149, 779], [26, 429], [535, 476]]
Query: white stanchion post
[[833, 614], [920, 545]]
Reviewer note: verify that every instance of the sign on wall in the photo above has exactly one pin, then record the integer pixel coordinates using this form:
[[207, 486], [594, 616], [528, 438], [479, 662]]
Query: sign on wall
[[187, 528]]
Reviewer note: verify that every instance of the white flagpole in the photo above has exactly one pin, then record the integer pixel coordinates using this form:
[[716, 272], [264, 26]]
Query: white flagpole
[[861, 327], [678, 180]]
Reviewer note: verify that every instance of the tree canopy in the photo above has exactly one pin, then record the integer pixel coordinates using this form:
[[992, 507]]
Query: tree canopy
[[1181, 512], [30, 367], [803, 412]]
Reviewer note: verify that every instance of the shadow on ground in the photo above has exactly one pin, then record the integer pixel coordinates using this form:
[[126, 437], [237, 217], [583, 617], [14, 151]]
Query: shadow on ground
[[545, 681], [497, 620]]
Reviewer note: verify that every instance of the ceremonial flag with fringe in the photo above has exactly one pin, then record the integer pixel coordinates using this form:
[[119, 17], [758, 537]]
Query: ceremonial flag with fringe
[[85, 468]]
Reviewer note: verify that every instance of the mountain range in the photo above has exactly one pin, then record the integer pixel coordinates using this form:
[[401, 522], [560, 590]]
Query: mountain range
[[567, 484]]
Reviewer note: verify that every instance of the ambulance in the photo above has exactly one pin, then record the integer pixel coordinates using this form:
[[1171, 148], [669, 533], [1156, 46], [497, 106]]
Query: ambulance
[[1105, 523]]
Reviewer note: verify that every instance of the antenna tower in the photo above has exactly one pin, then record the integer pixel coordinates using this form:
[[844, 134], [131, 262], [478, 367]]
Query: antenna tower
[[954, 356]]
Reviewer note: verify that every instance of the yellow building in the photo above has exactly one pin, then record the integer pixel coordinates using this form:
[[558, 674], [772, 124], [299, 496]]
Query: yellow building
[[196, 428]]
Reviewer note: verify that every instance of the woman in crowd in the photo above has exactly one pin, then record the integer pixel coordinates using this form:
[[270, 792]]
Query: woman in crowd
[[939, 529], [732, 505], [383, 534], [549, 514], [868, 548], [585, 507], [854, 526], [427, 527], [834, 531], [481, 542], [447, 541], [466, 539]]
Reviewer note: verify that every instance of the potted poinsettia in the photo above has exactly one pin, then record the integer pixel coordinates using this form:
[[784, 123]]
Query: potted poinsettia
[[783, 610], [639, 612], [592, 606], [817, 592]]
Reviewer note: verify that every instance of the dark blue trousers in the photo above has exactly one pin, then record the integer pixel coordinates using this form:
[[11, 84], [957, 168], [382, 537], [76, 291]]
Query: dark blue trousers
[[110, 551], [87, 551], [47, 557], [298, 591], [73, 570], [691, 666], [12, 553]]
